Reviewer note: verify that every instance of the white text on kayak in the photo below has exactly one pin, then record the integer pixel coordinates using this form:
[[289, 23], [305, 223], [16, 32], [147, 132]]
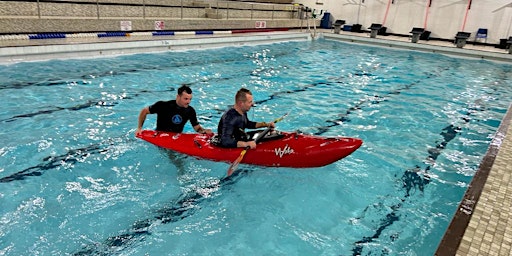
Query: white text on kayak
[[280, 152]]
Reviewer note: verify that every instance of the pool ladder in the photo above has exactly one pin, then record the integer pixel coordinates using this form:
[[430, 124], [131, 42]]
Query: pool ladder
[[312, 32], [308, 16]]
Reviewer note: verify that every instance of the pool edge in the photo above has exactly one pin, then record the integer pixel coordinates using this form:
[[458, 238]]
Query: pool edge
[[422, 47], [454, 234], [88, 49]]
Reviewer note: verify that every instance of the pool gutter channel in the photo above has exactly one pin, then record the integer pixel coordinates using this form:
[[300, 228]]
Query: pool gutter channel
[[457, 227], [422, 47], [113, 48]]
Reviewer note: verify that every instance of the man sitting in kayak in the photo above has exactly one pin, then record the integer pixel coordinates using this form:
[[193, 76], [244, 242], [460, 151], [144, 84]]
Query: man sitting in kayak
[[233, 122], [173, 115]]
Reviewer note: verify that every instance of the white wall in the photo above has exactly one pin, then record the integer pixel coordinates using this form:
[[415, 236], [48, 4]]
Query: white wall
[[444, 18]]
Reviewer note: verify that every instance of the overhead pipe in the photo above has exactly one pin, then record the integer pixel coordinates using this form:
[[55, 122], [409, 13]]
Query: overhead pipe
[[359, 10]]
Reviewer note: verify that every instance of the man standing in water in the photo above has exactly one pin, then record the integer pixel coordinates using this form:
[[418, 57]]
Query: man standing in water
[[173, 115], [233, 122]]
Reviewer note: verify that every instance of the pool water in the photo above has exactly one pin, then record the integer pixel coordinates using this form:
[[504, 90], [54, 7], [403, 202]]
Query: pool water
[[75, 181]]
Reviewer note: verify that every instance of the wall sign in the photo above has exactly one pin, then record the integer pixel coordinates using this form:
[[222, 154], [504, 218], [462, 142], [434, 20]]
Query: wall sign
[[260, 24], [126, 25], [159, 25]]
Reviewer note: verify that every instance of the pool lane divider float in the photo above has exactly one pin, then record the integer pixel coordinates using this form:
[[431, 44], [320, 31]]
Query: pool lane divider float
[[133, 34]]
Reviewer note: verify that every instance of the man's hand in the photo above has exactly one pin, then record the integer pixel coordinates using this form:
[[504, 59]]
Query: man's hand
[[207, 131], [264, 124], [251, 144], [201, 130]]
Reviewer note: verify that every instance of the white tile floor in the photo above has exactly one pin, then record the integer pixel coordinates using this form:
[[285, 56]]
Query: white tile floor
[[489, 231]]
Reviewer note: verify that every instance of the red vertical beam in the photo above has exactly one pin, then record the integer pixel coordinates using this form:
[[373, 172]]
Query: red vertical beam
[[386, 14], [466, 15], [427, 11]]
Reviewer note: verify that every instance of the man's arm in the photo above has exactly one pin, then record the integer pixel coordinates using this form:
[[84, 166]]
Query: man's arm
[[227, 138], [263, 124], [195, 124], [198, 128], [142, 117]]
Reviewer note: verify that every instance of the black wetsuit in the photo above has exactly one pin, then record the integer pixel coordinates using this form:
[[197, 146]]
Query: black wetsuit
[[171, 117], [232, 128]]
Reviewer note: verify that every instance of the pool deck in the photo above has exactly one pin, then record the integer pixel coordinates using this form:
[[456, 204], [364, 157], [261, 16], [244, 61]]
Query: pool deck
[[482, 224]]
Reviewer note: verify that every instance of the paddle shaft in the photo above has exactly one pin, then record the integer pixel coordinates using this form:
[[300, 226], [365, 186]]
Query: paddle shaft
[[235, 164]]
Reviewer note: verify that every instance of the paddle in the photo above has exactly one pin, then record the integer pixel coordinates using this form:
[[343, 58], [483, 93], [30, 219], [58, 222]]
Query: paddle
[[235, 164]]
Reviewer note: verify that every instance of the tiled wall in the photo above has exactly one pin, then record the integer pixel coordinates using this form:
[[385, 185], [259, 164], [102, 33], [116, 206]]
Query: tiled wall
[[85, 15]]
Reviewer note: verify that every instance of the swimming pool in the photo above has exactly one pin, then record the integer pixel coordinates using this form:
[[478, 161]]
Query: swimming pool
[[75, 180]]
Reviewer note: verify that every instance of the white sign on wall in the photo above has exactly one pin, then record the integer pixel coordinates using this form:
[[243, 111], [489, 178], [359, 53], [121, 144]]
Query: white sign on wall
[[126, 25], [260, 24], [159, 25]]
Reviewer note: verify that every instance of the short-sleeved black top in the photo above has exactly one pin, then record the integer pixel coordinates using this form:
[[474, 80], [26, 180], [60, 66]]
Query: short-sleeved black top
[[171, 117]]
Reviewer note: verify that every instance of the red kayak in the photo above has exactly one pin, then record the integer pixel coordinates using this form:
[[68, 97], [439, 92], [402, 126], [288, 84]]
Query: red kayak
[[277, 149]]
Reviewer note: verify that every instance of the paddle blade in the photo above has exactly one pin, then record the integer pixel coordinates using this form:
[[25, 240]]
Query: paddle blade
[[281, 118], [234, 165]]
